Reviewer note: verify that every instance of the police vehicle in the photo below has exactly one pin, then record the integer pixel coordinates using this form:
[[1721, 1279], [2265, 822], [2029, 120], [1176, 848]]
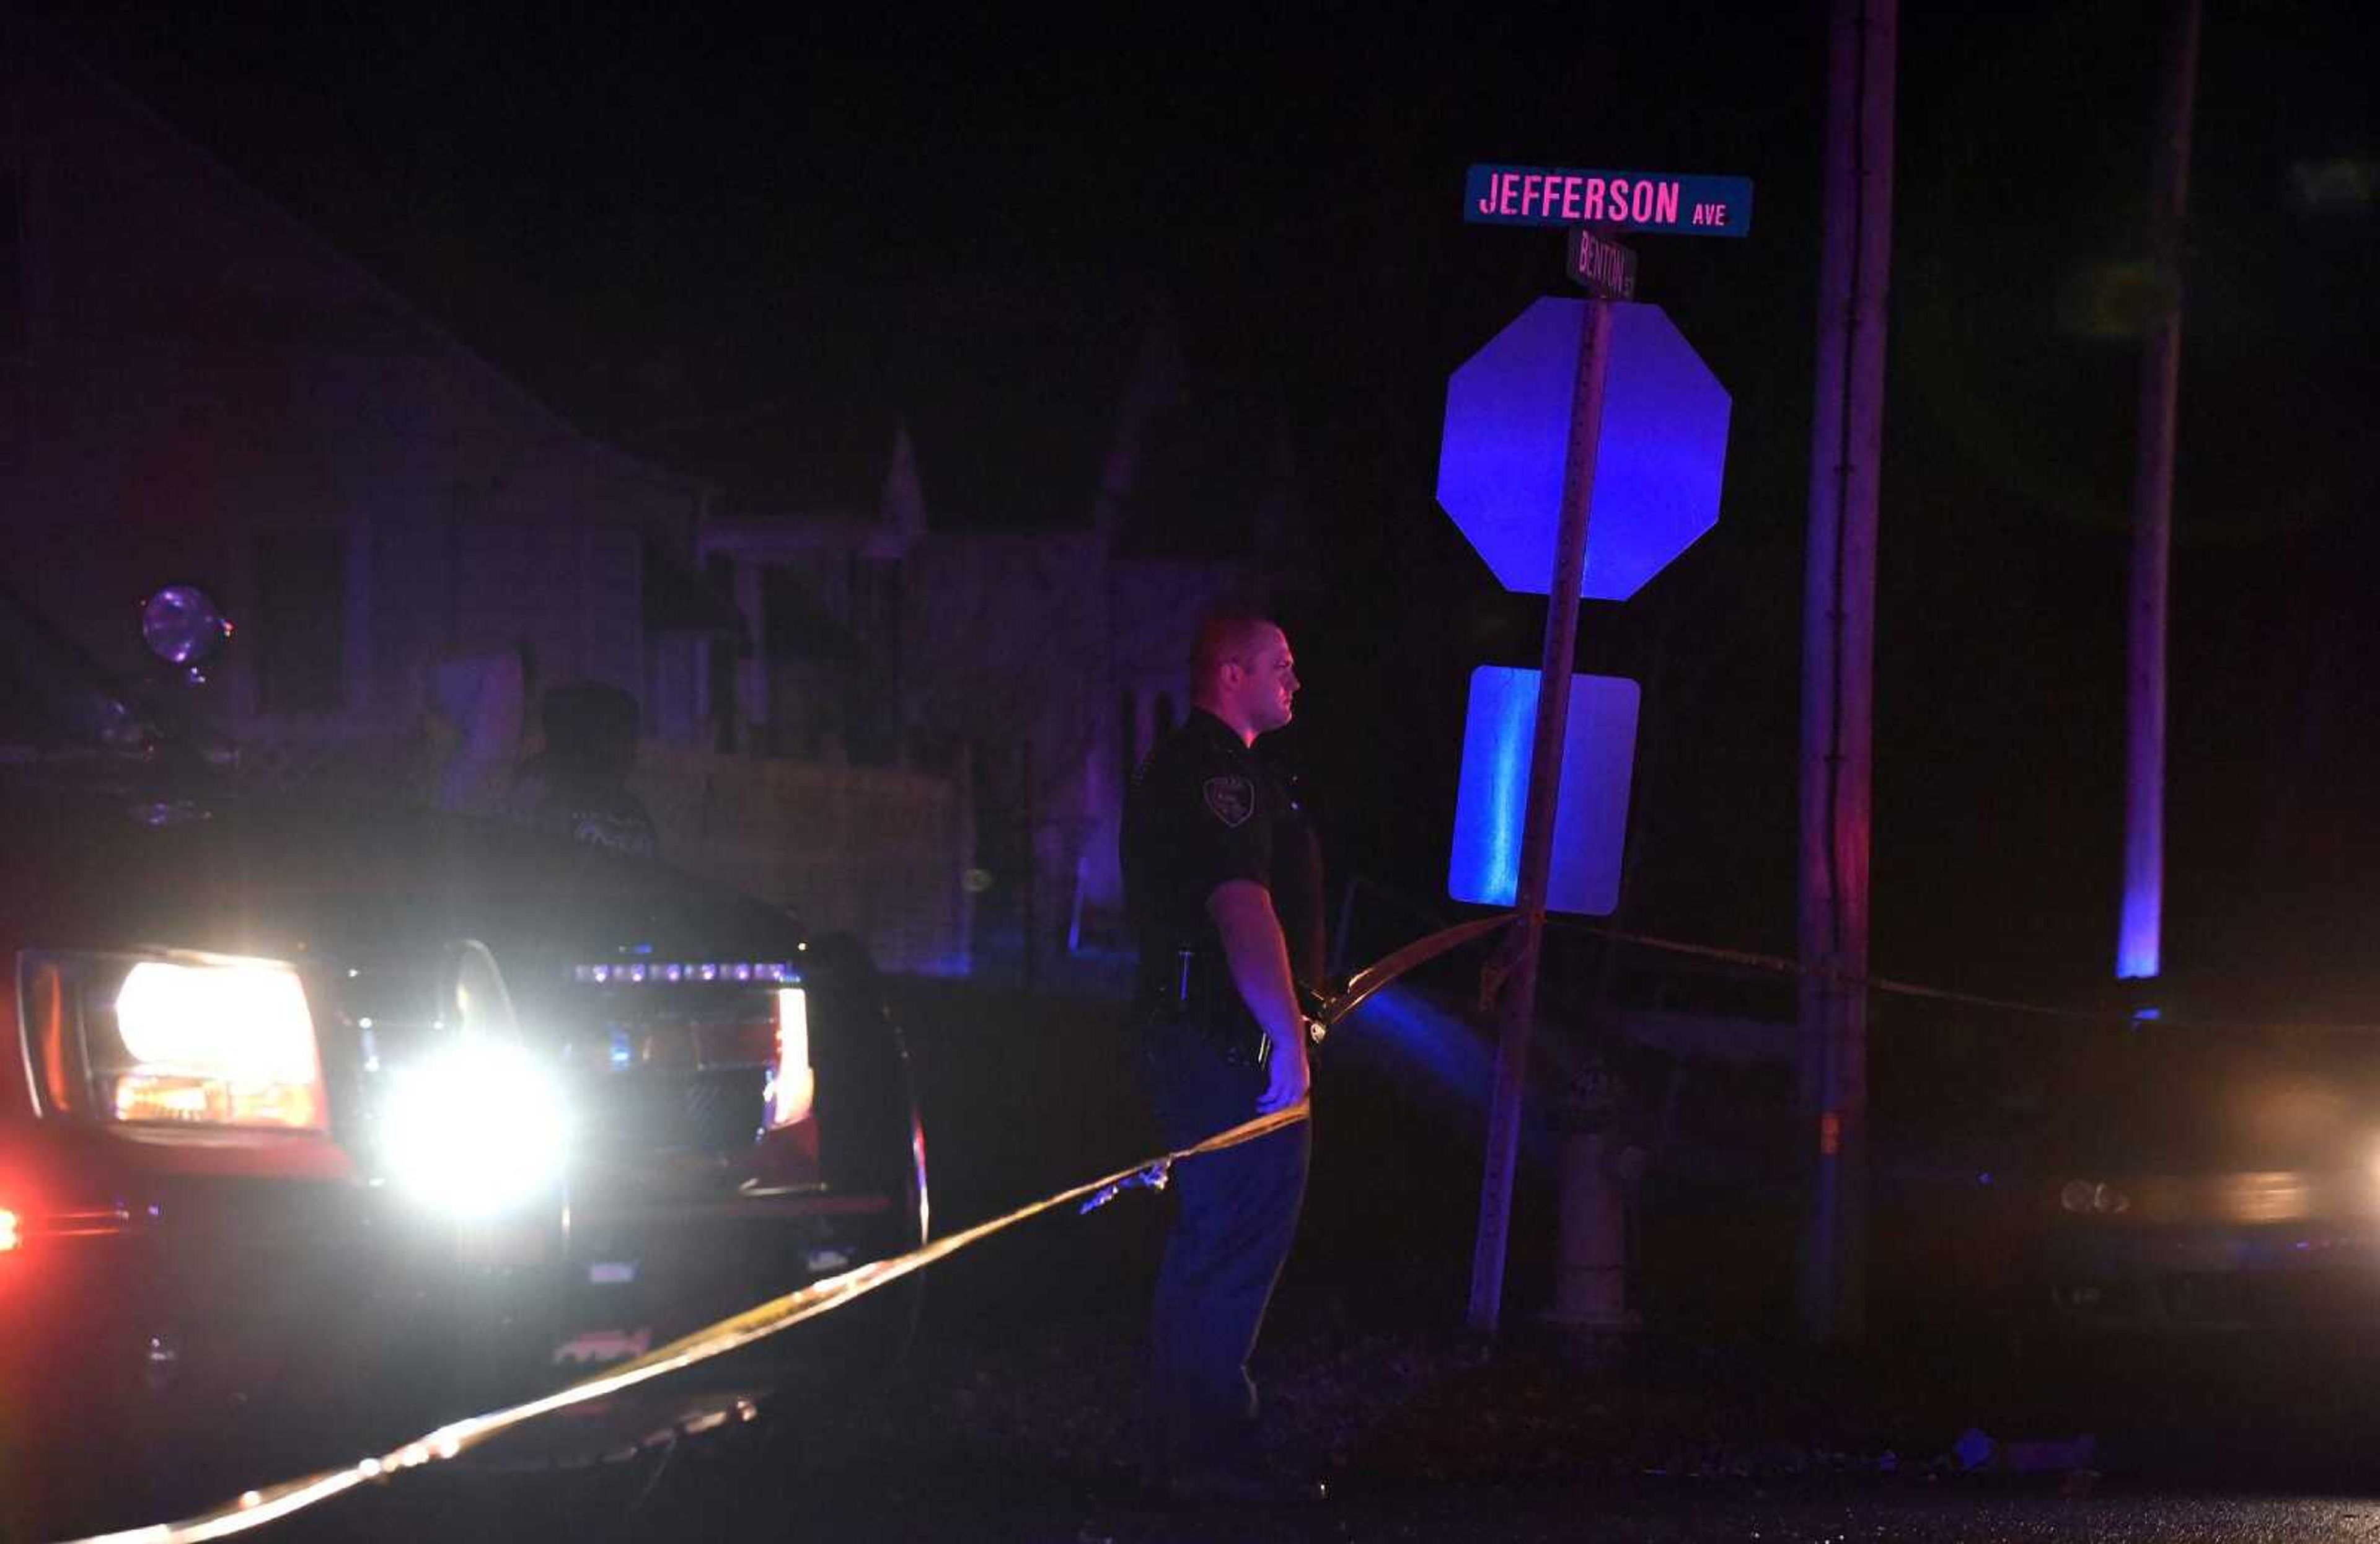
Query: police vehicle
[[322, 1118]]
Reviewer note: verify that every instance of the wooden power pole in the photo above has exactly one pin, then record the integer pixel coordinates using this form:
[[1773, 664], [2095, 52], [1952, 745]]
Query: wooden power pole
[[1838, 651]]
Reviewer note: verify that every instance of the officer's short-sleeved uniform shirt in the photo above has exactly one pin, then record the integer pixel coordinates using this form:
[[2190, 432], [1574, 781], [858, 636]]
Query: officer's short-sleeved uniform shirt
[[1206, 810], [593, 810]]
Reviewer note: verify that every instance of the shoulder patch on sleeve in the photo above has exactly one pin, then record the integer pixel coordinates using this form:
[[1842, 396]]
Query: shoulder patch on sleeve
[[1231, 800]]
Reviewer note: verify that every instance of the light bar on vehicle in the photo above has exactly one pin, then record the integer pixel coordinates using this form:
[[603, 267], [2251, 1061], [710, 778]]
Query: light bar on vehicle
[[637, 973]]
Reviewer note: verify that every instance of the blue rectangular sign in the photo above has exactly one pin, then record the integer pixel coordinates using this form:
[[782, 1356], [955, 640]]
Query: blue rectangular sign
[[1623, 201], [1590, 812]]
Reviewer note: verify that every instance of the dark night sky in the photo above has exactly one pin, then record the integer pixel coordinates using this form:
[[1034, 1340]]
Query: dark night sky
[[655, 220]]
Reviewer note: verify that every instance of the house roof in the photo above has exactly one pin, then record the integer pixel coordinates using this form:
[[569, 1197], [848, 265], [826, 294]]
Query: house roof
[[48, 57], [1007, 432], [1011, 393]]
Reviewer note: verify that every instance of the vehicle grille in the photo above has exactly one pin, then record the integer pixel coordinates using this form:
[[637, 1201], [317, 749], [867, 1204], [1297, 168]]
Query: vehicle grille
[[724, 1109], [717, 1111]]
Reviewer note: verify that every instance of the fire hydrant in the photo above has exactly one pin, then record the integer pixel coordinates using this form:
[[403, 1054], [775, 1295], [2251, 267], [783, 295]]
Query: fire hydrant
[[1591, 1226]]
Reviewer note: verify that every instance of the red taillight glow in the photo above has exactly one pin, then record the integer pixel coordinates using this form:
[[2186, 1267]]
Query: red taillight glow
[[736, 1045], [9, 1236], [792, 1085]]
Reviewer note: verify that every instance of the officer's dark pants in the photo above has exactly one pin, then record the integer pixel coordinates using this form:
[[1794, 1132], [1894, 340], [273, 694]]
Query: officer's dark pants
[[1237, 1212]]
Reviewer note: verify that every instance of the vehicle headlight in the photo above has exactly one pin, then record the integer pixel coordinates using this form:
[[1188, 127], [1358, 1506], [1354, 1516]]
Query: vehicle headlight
[[477, 1128], [2086, 1198], [174, 1038]]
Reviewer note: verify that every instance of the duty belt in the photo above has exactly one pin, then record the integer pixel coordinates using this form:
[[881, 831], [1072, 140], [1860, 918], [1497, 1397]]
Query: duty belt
[[1321, 1010], [1198, 994], [1193, 993]]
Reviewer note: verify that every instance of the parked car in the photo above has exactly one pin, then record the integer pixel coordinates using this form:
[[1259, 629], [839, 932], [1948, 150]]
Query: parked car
[[2204, 1172], [2210, 1179], [361, 1111]]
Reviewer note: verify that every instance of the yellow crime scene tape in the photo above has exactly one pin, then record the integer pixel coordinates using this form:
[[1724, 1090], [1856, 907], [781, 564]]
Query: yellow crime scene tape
[[1777, 965], [256, 1508]]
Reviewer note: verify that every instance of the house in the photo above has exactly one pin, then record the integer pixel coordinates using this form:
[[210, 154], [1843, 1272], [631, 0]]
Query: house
[[1044, 644], [196, 387]]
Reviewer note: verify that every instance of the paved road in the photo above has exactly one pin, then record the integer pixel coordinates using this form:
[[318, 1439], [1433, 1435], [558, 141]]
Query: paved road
[[714, 1498]]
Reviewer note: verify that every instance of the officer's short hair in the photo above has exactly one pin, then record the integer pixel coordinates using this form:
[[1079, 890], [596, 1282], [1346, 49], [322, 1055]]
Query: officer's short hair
[[1224, 637]]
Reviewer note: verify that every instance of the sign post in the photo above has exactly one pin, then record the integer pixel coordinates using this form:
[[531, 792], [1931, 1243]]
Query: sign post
[[1519, 1015], [1611, 200]]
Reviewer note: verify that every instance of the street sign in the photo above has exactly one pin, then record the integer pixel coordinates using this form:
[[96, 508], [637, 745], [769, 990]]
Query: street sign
[[1658, 471], [1494, 195], [1600, 265], [1590, 812], [1589, 430]]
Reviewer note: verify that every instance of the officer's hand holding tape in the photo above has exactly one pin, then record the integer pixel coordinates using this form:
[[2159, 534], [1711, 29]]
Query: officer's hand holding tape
[[1286, 1075], [1319, 1009]]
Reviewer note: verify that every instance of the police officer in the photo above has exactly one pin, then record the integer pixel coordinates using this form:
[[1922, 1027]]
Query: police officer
[[578, 787], [1223, 878]]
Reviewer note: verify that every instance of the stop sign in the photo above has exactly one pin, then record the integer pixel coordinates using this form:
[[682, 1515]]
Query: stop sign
[[1658, 469]]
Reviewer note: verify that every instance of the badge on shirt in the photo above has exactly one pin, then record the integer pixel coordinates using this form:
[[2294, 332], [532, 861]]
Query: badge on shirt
[[1233, 799]]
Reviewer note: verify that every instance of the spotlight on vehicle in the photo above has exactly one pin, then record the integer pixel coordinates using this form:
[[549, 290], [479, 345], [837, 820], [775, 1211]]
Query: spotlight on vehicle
[[477, 1129], [182, 626]]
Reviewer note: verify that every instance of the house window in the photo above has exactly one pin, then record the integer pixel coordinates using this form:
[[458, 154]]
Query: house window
[[301, 621]]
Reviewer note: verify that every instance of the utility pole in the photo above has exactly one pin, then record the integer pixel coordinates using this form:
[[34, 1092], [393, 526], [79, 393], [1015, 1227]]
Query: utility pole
[[2140, 931], [1839, 632]]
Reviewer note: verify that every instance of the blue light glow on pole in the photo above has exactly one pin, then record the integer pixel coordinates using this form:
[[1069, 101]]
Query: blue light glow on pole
[[2137, 953]]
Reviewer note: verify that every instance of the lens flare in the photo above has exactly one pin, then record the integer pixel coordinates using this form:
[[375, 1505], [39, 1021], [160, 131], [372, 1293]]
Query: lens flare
[[478, 1129]]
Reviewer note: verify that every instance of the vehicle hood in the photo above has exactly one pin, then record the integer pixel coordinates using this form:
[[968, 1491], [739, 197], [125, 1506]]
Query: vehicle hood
[[95, 863]]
